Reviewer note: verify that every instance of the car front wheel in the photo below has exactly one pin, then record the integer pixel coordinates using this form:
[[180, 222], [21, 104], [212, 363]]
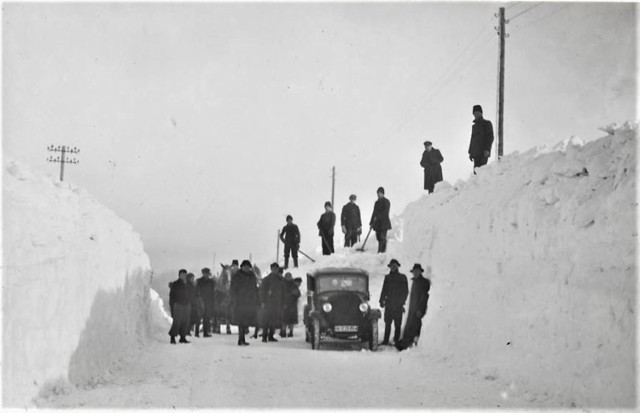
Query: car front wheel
[[315, 338], [373, 340]]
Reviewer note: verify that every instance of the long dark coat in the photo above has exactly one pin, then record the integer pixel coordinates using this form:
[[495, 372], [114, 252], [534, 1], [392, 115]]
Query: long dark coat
[[290, 235], [244, 298], [272, 293], [350, 217], [380, 217], [179, 293], [394, 294], [291, 297], [432, 170], [481, 138], [420, 287], [207, 289]]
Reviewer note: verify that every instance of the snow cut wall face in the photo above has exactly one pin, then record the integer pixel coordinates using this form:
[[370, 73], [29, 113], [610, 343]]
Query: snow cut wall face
[[534, 263], [75, 285]]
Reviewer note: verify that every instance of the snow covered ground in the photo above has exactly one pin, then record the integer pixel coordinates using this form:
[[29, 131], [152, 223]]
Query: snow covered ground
[[533, 302], [75, 287]]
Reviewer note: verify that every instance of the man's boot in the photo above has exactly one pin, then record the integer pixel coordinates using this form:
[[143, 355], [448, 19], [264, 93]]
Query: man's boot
[[184, 340], [264, 336], [295, 262], [387, 333], [286, 262], [173, 339], [228, 329]]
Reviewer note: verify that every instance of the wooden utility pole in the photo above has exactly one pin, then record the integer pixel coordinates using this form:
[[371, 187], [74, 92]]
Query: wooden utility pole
[[62, 159], [502, 33], [333, 185]]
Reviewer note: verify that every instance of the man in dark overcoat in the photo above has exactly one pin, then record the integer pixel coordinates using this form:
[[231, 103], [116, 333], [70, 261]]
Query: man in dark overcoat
[[418, 300], [207, 288], [180, 304], [481, 139], [392, 298], [351, 222], [380, 221], [290, 308], [326, 226], [272, 302], [431, 159], [290, 237], [244, 300]]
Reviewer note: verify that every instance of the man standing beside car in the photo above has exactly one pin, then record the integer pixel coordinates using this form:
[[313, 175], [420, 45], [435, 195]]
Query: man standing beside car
[[244, 300], [420, 287], [272, 302], [392, 298]]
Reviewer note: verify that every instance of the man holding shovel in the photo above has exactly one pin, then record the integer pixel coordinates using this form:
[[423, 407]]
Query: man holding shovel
[[290, 237], [326, 225], [380, 221]]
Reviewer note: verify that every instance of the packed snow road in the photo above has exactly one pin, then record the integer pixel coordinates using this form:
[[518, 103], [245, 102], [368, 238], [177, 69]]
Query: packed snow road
[[216, 373]]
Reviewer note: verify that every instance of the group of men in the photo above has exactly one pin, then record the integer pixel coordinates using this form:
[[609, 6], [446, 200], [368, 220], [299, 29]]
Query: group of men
[[393, 298], [270, 303], [479, 150], [351, 223]]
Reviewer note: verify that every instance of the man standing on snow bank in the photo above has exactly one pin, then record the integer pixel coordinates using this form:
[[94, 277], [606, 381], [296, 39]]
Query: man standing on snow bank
[[207, 288], [420, 287], [290, 237], [244, 300], [481, 139], [272, 302], [180, 304], [351, 222], [326, 226], [380, 221], [431, 159], [392, 298]]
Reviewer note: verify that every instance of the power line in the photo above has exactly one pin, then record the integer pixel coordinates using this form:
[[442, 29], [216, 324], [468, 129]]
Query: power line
[[525, 11], [551, 13]]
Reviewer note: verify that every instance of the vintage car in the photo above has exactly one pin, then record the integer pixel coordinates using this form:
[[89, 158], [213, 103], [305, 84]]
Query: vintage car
[[337, 307]]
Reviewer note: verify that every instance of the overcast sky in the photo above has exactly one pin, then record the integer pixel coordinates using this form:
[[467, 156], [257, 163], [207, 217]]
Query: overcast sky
[[204, 125]]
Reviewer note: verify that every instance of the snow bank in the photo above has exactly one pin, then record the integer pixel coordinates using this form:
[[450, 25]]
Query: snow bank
[[75, 286], [534, 263]]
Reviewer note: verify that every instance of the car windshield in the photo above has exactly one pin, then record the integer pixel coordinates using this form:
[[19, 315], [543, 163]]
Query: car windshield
[[341, 283]]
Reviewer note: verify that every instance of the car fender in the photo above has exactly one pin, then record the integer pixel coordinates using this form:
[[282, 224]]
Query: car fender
[[375, 314]]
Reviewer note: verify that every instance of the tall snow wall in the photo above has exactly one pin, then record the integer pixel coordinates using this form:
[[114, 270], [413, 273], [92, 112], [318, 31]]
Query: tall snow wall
[[534, 271], [76, 294]]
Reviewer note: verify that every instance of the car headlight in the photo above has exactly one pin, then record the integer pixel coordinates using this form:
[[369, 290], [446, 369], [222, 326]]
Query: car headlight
[[327, 307], [364, 307]]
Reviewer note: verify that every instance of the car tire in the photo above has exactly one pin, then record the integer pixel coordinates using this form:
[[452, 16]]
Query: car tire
[[315, 336], [373, 339]]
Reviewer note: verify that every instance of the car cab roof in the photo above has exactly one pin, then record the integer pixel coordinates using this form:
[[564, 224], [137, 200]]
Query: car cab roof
[[339, 271]]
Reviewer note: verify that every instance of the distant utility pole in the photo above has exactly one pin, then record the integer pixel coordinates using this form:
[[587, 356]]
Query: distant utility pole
[[333, 185], [62, 159], [278, 246], [502, 33]]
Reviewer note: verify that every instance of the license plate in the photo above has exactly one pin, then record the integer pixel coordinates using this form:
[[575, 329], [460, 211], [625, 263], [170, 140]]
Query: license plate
[[346, 329]]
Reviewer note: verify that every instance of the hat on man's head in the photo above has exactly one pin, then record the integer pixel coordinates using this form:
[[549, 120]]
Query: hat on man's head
[[234, 262], [246, 262], [417, 267], [477, 108], [274, 265], [289, 217], [380, 190], [327, 204], [206, 270], [352, 197], [393, 261], [297, 279], [428, 143], [182, 271]]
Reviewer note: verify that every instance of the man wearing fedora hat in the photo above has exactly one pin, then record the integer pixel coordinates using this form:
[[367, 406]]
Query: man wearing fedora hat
[[419, 297], [431, 159], [481, 139], [392, 299], [206, 286], [351, 222]]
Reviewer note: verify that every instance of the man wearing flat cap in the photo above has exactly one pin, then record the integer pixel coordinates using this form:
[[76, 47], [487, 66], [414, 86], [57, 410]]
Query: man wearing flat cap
[[380, 221], [431, 159], [392, 299], [351, 222], [419, 297], [272, 302], [244, 300], [481, 139], [206, 286]]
